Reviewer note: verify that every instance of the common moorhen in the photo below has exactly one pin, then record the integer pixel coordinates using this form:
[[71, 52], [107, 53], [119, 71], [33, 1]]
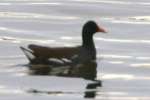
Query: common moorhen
[[64, 55]]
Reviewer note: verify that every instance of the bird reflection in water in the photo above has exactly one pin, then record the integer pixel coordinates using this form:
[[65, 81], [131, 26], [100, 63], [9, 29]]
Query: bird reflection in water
[[86, 71], [78, 61]]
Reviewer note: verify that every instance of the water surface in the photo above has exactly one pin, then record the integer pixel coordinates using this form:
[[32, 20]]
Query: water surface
[[123, 54]]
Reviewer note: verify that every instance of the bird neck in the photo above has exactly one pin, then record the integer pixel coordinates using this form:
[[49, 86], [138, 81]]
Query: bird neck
[[87, 41]]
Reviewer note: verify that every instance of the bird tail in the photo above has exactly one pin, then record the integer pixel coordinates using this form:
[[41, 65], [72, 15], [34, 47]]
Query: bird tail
[[29, 54]]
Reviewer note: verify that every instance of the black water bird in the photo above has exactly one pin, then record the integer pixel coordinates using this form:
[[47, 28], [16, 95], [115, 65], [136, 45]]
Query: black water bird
[[66, 55]]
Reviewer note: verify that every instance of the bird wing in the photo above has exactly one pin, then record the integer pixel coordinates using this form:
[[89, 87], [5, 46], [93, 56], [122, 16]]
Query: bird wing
[[57, 52]]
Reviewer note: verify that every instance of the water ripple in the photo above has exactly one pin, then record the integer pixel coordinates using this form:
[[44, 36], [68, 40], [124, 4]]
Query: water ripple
[[20, 15], [130, 20], [123, 40], [115, 2]]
